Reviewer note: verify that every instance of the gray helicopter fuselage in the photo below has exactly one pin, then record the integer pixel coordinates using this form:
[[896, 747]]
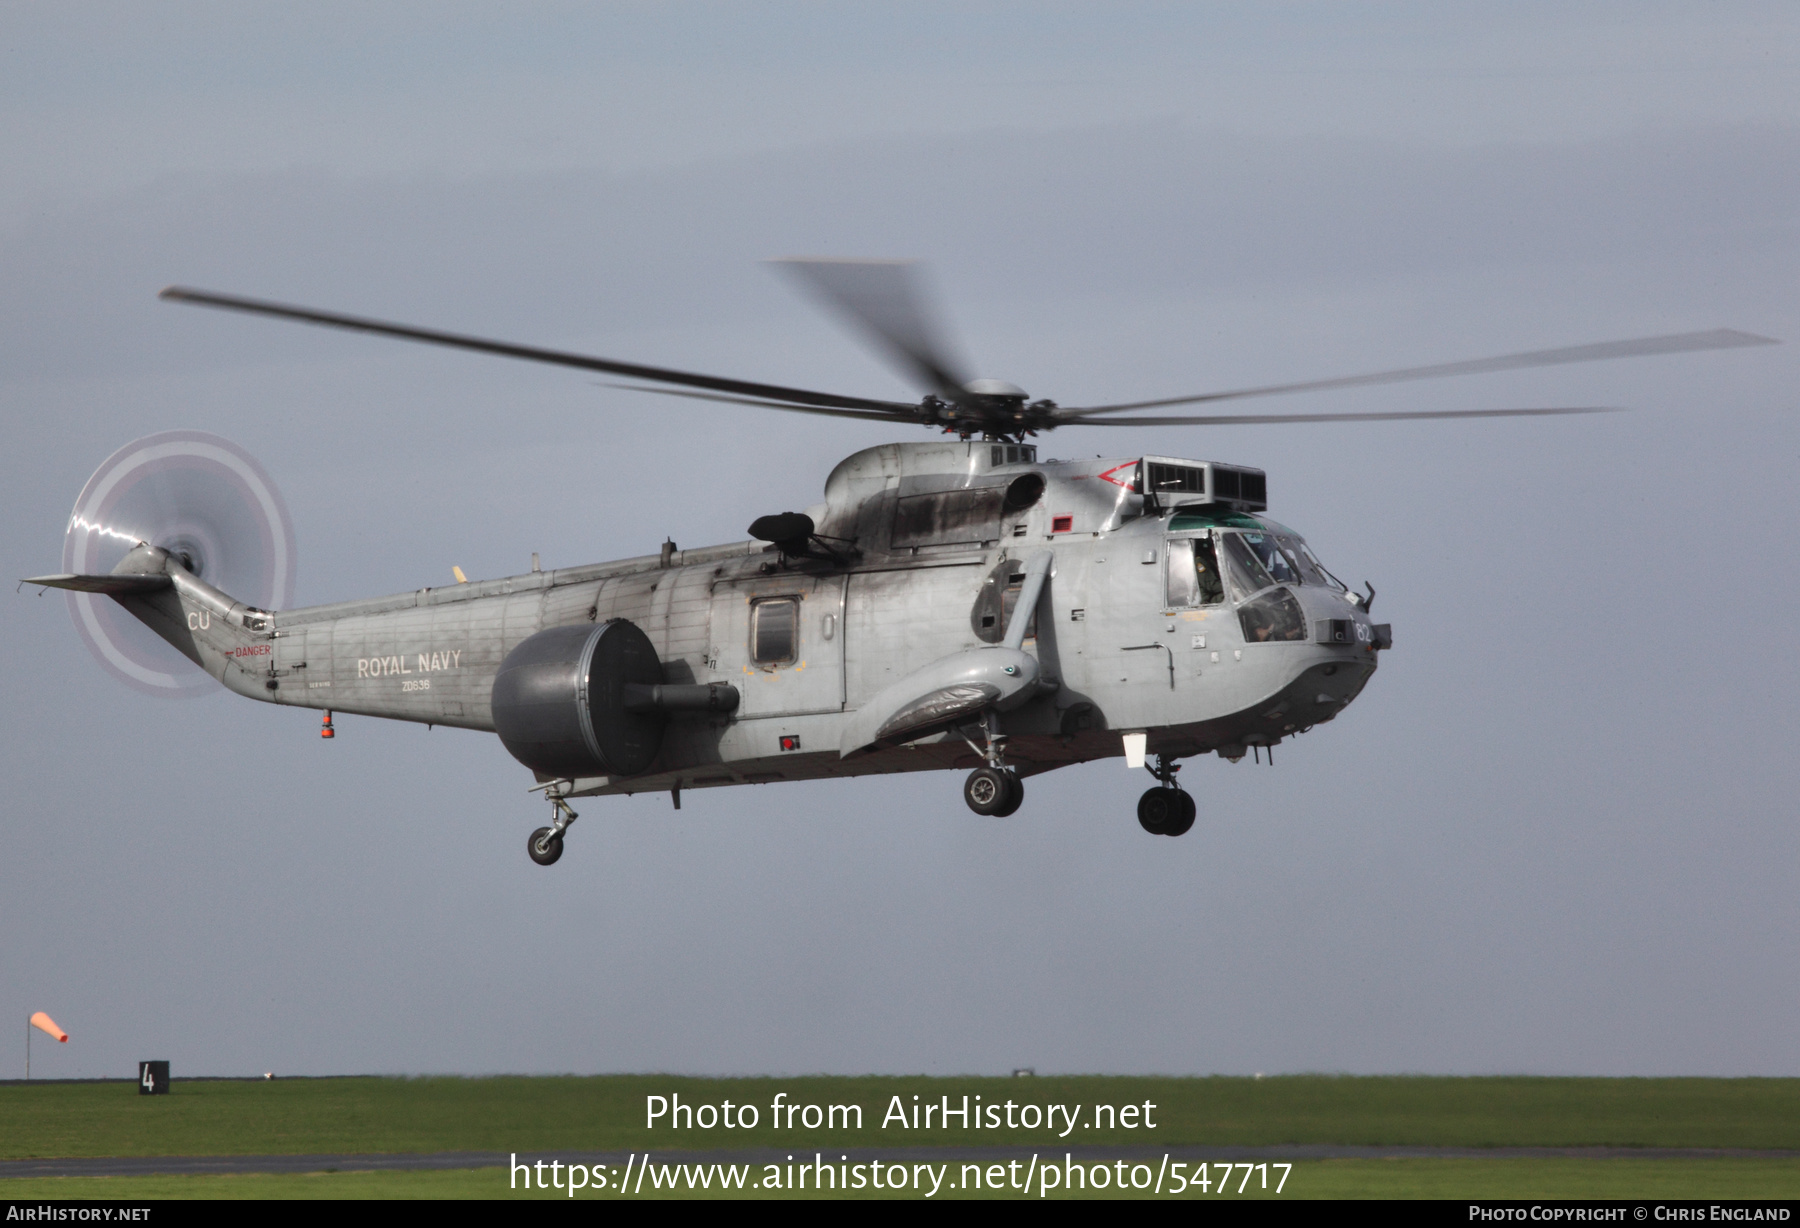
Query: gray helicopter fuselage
[[920, 552]]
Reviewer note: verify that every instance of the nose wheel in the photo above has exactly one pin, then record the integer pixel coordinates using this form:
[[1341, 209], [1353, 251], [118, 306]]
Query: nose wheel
[[1166, 810], [546, 843]]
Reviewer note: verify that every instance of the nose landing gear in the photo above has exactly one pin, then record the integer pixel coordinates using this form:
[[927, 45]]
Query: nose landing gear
[[546, 843], [1166, 810], [995, 789]]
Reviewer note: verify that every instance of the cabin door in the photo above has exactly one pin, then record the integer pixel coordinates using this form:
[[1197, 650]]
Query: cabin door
[[780, 641]]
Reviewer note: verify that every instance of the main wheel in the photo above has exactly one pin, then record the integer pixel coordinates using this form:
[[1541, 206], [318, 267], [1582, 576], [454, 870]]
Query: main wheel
[[1160, 810], [545, 846], [1185, 818], [1015, 796], [987, 791]]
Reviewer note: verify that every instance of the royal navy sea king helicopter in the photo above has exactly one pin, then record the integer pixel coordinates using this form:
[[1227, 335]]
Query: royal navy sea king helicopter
[[955, 603]]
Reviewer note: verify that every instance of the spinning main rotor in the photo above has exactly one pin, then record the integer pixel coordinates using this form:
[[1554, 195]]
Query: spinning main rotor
[[881, 300]]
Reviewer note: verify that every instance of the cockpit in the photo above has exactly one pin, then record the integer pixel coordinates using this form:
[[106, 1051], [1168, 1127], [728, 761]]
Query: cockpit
[[1254, 563]]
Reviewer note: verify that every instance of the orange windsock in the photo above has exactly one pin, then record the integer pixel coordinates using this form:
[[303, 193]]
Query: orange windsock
[[44, 1023]]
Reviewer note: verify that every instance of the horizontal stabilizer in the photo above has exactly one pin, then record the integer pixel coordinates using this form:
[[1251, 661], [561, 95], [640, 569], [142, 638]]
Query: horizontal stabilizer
[[116, 586]]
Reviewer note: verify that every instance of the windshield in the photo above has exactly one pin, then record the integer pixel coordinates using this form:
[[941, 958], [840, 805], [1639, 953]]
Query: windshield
[[1255, 560], [1244, 566], [1283, 567], [1311, 570]]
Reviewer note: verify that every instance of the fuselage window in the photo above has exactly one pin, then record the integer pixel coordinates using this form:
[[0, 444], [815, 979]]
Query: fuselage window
[[1193, 572], [775, 630]]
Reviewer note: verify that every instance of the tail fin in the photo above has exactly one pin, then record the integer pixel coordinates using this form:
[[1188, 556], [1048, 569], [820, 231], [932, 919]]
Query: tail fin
[[206, 626]]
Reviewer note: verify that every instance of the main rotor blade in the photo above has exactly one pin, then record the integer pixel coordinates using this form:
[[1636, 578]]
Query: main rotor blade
[[802, 409], [406, 332], [1253, 419], [882, 298], [1675, 343]]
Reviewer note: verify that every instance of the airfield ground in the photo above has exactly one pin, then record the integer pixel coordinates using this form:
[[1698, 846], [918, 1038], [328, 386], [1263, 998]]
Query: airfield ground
[[350, 1117]]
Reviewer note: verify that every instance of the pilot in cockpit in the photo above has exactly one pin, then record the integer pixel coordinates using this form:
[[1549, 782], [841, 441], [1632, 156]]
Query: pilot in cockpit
[[1206, 567]]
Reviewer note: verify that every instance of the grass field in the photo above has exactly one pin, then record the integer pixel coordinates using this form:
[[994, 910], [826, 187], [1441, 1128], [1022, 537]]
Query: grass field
[[509, 1114]]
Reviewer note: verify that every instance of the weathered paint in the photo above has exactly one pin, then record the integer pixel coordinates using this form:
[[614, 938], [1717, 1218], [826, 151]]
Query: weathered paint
[[1118, 658]]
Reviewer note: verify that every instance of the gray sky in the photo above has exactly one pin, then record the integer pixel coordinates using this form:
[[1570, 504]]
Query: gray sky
[[1555, 835]]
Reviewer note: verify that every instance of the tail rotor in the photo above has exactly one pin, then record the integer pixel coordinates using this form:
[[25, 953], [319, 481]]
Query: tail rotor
[[204, 500]]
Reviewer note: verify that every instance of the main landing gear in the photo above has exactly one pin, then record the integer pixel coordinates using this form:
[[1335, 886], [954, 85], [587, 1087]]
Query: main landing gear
[[546, 843], [995, 789], [1165, 810]]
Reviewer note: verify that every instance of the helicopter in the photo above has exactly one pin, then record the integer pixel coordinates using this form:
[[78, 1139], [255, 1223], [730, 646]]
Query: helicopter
[[959, 603]]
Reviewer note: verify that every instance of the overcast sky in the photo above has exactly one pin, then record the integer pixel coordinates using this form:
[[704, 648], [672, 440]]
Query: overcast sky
[[1555, 835]]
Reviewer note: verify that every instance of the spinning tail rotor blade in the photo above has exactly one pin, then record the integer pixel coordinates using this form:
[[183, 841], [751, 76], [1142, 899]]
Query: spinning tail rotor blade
[[882, 298], [1675, 343], [204, 500]]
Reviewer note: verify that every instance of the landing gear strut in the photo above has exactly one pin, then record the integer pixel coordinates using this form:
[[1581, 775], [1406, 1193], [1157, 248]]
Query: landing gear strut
[[546, 843], [995, 789], [1165, 810]]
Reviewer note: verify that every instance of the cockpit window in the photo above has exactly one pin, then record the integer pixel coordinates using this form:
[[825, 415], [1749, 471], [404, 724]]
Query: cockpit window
[[1301, 560], [1274, 616], [1282, 567], [1244, 566], [1194, 572], [1256, 560], [1310, 567]]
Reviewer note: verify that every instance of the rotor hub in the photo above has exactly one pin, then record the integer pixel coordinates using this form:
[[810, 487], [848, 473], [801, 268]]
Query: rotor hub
[[995, 389]]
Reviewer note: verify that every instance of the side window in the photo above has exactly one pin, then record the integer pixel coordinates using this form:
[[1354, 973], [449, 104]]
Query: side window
[[775, 630], [1184, 586], [1206, 571], [1193, 572]]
